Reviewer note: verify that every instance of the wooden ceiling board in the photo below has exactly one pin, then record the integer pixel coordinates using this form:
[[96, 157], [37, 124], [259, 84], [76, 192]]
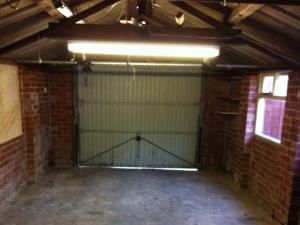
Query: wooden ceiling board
[[110, 15], [256, 55], [271, 38], [278, 24], [106, 16], [235, 55], [212, 12], [47, 49], [23, 29], [20, 15]]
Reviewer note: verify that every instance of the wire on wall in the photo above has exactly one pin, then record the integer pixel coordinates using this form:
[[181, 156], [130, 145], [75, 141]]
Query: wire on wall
[[133, 72]]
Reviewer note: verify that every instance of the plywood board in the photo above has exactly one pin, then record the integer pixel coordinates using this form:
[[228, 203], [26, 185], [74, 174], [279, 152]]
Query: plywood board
[[10, 105]]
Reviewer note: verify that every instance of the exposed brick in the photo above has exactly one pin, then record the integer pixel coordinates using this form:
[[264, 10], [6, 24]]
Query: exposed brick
[[24, 158], [36, 120], [62, 118], [270, 171]]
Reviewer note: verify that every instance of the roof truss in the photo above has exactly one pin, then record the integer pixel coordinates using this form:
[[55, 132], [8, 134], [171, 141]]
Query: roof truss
[[230, 31], [242, 11], [42, 34]]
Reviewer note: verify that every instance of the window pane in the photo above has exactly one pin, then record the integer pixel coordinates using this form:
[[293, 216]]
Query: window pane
[[281, 85], [269, 118], [267, 85]]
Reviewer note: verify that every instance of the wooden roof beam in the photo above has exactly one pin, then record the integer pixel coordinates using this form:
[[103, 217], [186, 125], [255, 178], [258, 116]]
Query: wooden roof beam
[[145, 7], [242, 11], [47, 5], [269, 2], [132, 9], [64, 23], [93, 32], [230, 31], [139, 7]]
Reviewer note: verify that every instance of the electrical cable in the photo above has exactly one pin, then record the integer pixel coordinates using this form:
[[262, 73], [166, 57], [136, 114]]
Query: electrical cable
[[133, 72], [74, 57], [15, 6], [39, 55]]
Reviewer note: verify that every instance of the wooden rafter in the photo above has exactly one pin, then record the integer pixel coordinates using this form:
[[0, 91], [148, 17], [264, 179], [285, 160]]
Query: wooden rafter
[[266, 2], [64, 23], [242, 11], [260, 28], [228, 30], [47, 5]]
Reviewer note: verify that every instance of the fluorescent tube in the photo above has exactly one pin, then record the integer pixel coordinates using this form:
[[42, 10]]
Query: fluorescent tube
[[144, 49]]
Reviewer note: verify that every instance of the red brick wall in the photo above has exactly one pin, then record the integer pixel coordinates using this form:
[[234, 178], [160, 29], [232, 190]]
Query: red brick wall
[[12, 169], [61, 105], [213, 134], [271, 165], [290, 150], [34, 92], [25, 158], [241, 130], [270, 171]]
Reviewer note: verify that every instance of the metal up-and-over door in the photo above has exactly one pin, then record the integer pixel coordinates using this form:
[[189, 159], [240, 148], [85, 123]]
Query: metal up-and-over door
[[150, 120]]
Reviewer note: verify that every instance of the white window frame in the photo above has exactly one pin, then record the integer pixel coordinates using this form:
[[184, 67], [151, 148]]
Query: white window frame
[[261, 95]]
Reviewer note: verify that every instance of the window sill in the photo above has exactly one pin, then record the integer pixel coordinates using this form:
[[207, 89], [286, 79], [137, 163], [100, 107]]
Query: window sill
[[268, 139]]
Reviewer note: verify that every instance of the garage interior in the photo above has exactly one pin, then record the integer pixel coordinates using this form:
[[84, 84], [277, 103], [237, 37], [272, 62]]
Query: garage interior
[[154, 112]]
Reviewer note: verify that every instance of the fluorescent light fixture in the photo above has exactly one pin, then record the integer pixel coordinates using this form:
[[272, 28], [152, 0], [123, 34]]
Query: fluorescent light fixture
[[144, 49], [149, 64]]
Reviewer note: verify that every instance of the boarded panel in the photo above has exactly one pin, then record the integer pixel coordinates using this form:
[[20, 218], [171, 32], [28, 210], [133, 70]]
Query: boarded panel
[[162, 107], [10, 106]]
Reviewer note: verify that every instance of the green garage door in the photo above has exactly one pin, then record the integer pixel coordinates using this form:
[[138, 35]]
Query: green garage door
[[149, 119]]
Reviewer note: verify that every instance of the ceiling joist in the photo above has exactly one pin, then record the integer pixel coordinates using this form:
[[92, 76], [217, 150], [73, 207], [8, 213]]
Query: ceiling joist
[[242, 11], [229, 31], [64, 23]]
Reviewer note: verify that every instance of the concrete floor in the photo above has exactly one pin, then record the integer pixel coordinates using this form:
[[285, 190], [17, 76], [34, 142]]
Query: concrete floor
[[135, 197]]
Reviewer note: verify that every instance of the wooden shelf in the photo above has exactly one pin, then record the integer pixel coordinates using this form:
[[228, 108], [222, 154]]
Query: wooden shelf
[[228, 113]]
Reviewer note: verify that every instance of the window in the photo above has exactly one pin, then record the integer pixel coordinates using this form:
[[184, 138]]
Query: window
[[271, 105]]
